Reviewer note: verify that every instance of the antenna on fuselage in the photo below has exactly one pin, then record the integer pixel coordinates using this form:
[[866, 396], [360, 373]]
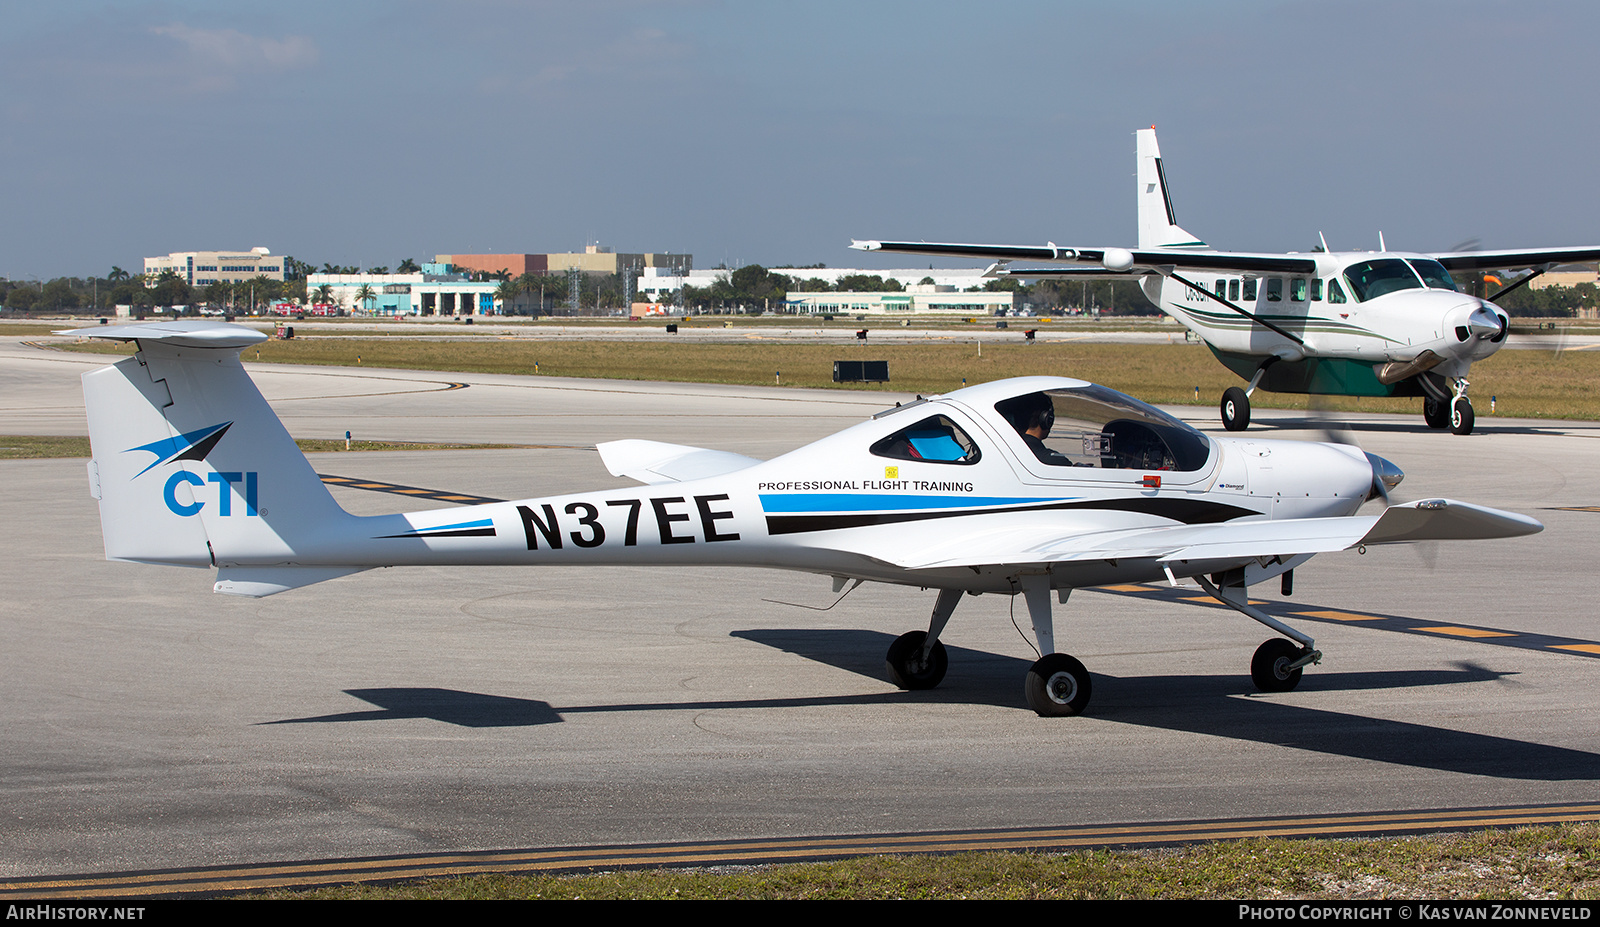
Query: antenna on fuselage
[[1381, 245], [1322, 238]]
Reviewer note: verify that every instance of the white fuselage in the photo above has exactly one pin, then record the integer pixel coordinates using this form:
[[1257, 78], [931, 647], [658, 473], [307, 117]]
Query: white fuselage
[[1339, 312], [834, 507]]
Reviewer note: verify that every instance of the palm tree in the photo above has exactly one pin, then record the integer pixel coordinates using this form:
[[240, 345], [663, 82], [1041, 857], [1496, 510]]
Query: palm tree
[[364, 295], [409, 266], [529, 282], [506, 293]]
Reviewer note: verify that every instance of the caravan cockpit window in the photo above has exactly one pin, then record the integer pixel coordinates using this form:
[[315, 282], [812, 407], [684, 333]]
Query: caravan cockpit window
[[1093, 426], [1371, 279], [1433, 274]]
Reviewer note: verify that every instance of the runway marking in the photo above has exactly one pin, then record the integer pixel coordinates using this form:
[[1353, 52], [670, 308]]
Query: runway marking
[[309, 873], [1465, 632], [1339, 616], [1400, 624]]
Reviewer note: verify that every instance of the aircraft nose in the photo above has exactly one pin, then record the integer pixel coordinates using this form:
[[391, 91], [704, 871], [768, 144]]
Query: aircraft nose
[[1385, 476]]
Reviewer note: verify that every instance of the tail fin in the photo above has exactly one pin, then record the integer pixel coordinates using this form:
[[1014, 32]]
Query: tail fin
[[1158, 227], [190, 465]]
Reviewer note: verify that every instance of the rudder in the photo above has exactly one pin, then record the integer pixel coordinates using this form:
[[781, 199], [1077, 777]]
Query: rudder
[[190, 465], [1158, 225]]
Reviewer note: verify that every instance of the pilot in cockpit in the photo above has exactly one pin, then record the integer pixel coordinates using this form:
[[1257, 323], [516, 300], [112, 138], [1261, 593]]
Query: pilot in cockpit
[[1033, 416]]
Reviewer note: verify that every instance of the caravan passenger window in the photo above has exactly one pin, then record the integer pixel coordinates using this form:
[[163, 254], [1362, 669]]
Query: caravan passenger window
[[1335, 292], [1233, 290], [1274, 289], [1316, 289], [1250, 290], [1297, 289], [934, 440]]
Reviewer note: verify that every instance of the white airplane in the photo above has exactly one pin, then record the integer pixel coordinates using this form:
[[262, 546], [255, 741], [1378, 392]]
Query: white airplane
[[1351, 323], [1022, 486]]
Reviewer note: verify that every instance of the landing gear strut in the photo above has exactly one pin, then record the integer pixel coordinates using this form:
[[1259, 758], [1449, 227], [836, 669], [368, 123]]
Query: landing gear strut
[[1277, 664], [1057, 685], [917, 659]]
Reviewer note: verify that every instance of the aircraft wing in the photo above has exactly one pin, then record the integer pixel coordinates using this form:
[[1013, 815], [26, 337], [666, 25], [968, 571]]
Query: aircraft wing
[[1041, 543], [1477, 260], [657, 462], [1117, 260]]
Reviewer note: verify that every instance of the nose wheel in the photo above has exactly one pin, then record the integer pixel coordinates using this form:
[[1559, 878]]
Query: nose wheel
[[1235, 409], [909, 668], [1461, 416], [1277, 665]]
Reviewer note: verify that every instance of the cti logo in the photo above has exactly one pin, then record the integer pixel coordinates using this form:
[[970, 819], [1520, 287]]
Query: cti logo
[[195, 446]]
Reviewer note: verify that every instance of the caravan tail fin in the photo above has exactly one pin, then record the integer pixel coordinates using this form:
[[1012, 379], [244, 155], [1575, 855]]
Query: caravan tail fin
[[1158, 226], [190, 465]]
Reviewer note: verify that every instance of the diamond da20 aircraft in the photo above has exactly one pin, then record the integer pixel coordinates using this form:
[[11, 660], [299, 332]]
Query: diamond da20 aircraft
[[1353, 323], [1016, 487]]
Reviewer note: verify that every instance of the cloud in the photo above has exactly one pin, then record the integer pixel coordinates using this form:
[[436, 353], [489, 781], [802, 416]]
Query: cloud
[[639, 62], [235, 51]]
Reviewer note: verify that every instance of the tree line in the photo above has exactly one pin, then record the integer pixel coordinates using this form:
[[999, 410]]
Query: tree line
[[750, 288]]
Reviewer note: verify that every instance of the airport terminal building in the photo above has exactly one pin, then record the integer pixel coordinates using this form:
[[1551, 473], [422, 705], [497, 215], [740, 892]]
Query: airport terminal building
[[436, 291]]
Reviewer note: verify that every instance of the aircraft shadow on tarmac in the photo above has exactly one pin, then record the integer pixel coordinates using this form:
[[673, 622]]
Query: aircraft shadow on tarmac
[[1331, 420], [1228, 706], [1220, 706]]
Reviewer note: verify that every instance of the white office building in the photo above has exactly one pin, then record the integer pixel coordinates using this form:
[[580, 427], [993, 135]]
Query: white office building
[[202, 268]]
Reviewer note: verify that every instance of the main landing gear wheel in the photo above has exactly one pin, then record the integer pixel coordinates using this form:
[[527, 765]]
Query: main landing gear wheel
[[1269, 668], [908, 670], [1461, 416], [1235, 409], [1436, 414], [1057, 686]]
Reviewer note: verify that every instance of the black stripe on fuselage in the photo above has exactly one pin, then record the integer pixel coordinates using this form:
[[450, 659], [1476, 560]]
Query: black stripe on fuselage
[[462, 533], [1187, 511]]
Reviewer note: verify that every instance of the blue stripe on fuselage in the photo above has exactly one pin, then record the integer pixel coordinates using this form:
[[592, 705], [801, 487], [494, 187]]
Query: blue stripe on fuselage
[[869, 502]]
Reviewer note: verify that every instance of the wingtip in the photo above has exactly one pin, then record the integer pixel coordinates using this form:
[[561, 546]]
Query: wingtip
[[865, 245]]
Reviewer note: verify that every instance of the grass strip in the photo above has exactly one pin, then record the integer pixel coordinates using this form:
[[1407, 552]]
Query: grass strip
[[1524, 384], [1543, 863]]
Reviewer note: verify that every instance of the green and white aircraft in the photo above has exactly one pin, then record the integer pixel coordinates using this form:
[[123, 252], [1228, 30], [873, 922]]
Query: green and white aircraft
[[1342, 323]]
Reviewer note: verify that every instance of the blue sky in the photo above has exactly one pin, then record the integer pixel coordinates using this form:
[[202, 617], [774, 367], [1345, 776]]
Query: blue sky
[[364, 132]]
